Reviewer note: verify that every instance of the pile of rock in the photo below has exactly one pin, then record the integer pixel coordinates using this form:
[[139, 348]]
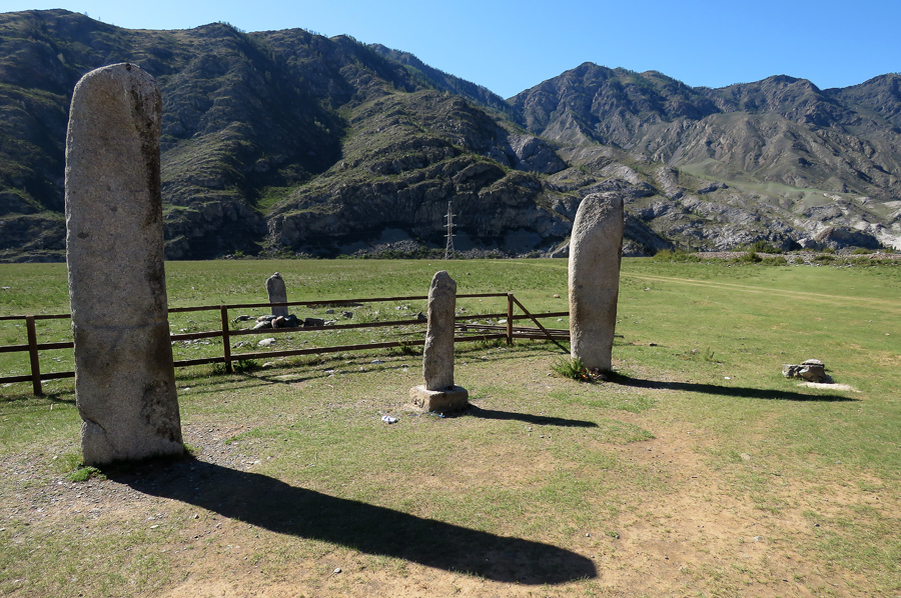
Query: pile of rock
[[289, 321], [274, 321], [812, 370]]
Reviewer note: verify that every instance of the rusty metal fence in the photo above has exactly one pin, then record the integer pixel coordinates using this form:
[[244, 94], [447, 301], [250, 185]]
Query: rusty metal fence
[[466, 331]]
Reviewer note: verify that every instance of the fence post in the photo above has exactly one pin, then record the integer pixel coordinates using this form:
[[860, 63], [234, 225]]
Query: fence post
[[33, 356], [509, 318], [226, 342]]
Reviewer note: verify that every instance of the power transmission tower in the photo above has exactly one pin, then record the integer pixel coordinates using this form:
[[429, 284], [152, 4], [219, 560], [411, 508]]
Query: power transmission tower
[[449, 247]]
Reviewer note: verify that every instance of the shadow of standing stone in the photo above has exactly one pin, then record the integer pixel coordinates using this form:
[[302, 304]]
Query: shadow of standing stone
[[124, 375], [595, 253]]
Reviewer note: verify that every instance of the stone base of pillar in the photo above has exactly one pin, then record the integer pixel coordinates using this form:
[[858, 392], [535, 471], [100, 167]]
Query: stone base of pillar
[[453, 399]]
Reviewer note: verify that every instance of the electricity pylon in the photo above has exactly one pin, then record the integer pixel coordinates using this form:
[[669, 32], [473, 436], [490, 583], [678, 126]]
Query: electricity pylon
[[449, 247]]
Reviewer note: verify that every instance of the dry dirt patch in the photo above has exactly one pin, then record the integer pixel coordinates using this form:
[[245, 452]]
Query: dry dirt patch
[[695, 536]]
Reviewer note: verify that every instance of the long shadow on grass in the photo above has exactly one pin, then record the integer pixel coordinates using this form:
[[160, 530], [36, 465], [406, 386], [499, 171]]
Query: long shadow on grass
[[540, 420], [274, 505], [728, 391]]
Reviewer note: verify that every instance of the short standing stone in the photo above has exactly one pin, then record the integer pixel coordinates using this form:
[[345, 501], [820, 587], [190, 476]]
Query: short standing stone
[[439, 392], [438, 355], [595, 253], [275, 288], [124, 376]]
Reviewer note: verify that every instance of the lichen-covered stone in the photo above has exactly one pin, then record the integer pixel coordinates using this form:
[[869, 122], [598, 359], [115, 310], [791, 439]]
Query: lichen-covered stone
[[595, 254], [124, 376], [438, 355]]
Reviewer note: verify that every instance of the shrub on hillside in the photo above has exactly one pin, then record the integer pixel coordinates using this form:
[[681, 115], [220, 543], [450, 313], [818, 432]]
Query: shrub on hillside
[[761, 246], [669, 255]]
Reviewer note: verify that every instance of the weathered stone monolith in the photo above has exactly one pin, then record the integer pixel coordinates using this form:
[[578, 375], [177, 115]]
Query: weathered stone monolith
[[439, 392], [595, 253], [124, 376], [275, 288], [438, 355]]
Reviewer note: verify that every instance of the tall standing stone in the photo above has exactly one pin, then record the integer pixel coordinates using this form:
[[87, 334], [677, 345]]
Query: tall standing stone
[[595, 253], [124, 376], [439, 392], [275, 289]]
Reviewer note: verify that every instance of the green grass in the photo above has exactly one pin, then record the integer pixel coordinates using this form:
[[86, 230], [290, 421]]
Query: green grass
[[697, 428], [41, 289]]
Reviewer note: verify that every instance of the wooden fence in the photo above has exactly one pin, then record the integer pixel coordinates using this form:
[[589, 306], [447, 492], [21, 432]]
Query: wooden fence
[[466, 331]]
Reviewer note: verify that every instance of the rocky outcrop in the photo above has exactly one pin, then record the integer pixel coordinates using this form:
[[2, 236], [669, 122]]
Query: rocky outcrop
[[486, 202], [534, 155], [839, 237], [811, 370], [212, 229], [33, 238]]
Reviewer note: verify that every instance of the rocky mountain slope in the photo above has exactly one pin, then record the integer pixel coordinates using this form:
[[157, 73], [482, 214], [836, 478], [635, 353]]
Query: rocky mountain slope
[[290, 142], [778, 159]]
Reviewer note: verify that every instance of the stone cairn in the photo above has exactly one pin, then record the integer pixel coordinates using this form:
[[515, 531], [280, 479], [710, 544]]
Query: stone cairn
[[124, 375], [811, 370], [595, 253], [279, 318], [439, 393]]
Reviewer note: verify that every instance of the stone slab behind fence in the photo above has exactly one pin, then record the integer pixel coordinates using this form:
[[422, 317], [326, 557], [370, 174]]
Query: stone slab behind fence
[[277, 293]]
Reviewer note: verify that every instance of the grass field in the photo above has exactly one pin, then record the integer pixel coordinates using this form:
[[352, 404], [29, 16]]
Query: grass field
[[698, 471]]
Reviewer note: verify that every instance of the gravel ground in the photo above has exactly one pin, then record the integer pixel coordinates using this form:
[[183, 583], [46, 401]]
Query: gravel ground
[[34, 493]]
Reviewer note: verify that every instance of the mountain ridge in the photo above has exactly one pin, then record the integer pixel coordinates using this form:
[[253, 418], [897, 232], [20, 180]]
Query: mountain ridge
[[287, 142]]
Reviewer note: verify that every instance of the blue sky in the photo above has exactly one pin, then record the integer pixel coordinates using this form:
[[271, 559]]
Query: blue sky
[[509, 46]]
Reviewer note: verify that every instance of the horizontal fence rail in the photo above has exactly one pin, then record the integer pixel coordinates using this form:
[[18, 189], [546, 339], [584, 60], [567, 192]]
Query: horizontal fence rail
[[467, 331]]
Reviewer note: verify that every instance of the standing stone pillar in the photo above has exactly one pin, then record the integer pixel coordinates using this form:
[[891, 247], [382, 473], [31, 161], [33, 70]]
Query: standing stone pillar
[[595, 253], [124, 376], [275, 288], [439, 392]]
